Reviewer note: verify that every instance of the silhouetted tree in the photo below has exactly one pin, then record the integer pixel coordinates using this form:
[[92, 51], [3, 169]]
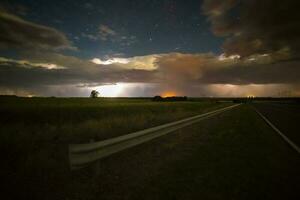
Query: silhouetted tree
[[157, 98], [94, 94]]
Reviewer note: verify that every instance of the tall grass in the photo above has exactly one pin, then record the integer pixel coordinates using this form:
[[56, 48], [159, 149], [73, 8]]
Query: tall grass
[[34, 132]]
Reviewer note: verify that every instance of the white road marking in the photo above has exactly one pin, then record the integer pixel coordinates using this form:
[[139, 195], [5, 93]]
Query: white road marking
[[286, 139]]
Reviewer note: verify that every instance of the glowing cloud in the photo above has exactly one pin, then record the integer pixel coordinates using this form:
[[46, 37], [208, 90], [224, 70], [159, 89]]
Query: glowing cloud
[[147, 62], [28, 64], [110, 61], [111, 90], [231, 57]]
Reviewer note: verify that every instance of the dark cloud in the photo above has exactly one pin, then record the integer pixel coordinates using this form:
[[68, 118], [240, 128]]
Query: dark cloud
[[244, 74], [255, 26], [217, 12], [261, 53], [195, 69], [63, 71], [105, 32], [182, 73], [213, 90], [18, 33]]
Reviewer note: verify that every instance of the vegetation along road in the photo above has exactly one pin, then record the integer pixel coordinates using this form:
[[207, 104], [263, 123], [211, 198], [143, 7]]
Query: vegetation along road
[[233, 155]]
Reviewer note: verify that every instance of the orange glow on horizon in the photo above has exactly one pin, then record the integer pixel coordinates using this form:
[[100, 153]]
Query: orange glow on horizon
[[169, 94]]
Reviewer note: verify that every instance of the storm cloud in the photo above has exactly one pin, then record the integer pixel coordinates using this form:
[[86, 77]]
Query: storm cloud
[[174, 71], [18, 33], [260, 50], [255, 26]]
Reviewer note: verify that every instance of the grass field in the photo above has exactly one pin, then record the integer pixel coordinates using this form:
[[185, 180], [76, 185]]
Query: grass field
[[35, 132], [234, 155], [80, 120]]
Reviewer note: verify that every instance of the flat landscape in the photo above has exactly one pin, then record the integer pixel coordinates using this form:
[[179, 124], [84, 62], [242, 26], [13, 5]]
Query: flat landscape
[[150, 100], [233, 155]]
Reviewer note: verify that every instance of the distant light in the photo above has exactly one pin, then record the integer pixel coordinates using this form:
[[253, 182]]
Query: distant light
[[169, 94], [111, 90]]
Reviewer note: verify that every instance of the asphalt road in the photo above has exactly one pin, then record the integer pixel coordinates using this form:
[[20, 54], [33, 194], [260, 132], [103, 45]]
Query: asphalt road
[[286, 117], [234, 155]]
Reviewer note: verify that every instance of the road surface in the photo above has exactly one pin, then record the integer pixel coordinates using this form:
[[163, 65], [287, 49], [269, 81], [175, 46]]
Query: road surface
[[286, 117], [234, 155]]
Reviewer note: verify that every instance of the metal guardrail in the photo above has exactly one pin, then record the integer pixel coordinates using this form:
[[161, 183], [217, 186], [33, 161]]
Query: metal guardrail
[[81, 155]]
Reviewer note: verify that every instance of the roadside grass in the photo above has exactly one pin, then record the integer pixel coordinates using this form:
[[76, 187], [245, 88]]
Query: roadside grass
[[35, 132], [82, 119]]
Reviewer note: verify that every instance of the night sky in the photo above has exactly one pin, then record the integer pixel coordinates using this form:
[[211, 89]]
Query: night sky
[[150, 47]]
